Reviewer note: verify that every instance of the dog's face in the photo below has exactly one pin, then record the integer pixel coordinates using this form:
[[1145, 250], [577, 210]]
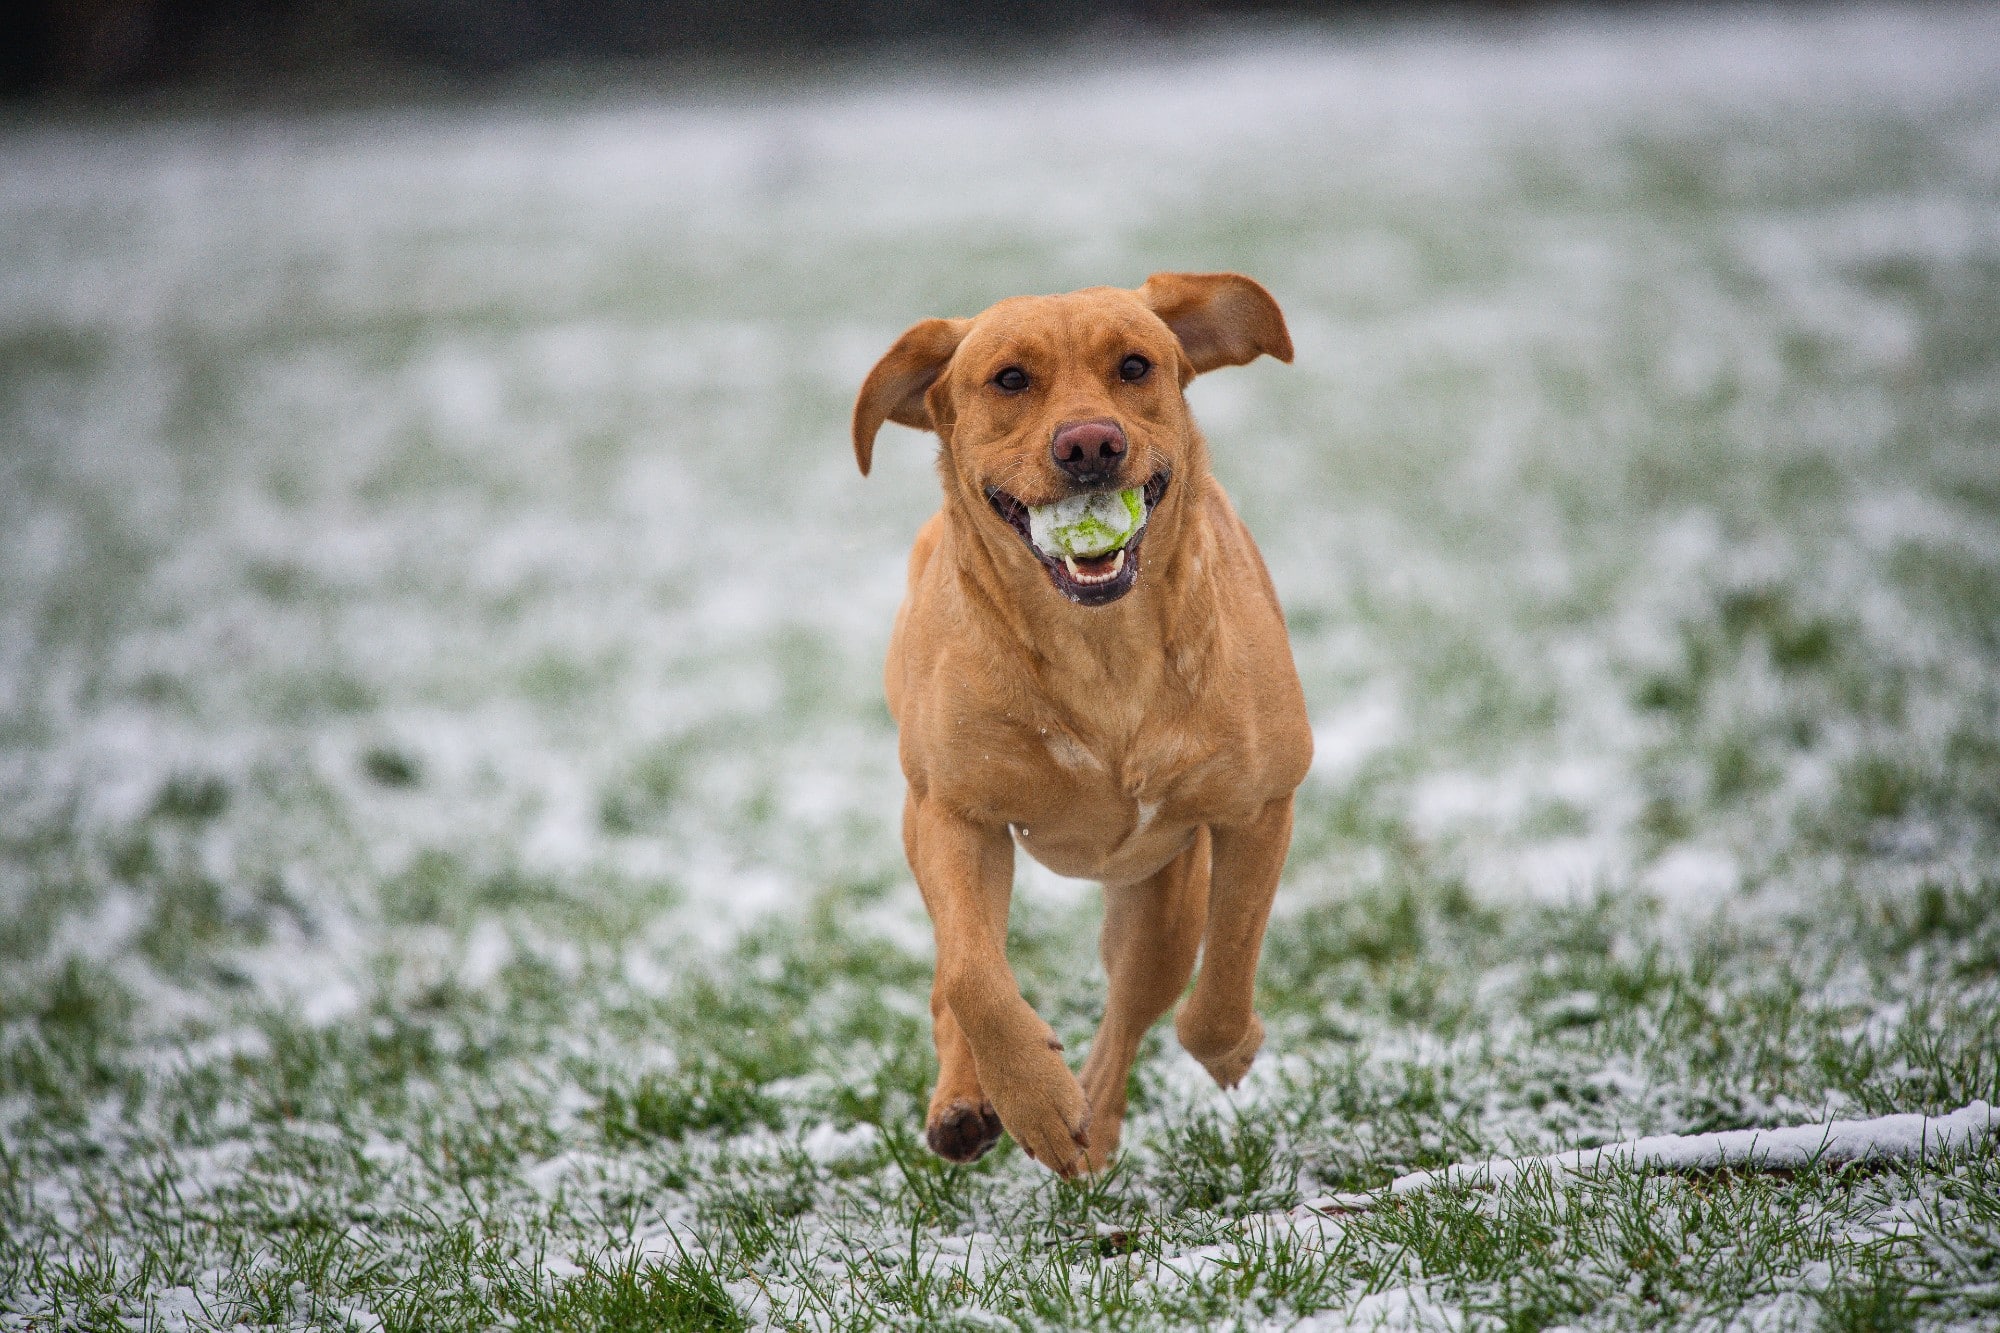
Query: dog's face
[[1042, 399], [1050, 396]]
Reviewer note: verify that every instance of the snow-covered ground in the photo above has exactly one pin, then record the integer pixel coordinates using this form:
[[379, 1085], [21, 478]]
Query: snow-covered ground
[[1778, 1148], [432, 566]]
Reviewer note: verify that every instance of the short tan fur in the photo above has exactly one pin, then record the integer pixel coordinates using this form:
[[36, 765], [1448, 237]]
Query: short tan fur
[[1152, 742]]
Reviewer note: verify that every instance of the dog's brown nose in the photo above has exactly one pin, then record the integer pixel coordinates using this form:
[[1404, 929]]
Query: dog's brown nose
[[1090, 451]]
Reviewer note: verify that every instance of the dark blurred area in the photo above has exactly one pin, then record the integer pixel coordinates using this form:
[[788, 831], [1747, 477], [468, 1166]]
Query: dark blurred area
[[68, 49]]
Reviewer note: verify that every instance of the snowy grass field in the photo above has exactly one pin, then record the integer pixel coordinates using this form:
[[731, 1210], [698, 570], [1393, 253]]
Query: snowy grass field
[[449, 870]]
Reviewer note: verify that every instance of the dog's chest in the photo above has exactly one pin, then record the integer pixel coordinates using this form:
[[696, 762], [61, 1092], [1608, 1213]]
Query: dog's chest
[[1099, 810], [1142, 769]]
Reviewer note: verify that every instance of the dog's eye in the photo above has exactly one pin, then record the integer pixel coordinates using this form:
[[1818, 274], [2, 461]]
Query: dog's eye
[[1013, 379], [1134, 367]]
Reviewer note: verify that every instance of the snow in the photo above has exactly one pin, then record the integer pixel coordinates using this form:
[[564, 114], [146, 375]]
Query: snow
[[828, 1145], [1690, 876], [1791, 1148], [406, 427], [1397, 1310], [1361, 728], [439, 599]]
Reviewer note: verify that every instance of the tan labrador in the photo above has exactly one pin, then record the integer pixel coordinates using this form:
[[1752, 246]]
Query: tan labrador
[[1134, 718]]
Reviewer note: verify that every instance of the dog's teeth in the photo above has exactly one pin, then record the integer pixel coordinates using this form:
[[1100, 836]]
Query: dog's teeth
[[1117, 567], [1077, 574]]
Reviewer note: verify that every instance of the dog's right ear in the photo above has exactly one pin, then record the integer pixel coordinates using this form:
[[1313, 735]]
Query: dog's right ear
[[895, 389]]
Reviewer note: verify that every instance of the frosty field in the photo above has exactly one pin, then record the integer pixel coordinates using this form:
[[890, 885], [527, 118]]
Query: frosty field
[[449, 870]]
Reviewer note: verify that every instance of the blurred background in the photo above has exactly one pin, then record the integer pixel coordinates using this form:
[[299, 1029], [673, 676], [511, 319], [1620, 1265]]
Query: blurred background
[[451, 471], [91, 46], [440, 615]]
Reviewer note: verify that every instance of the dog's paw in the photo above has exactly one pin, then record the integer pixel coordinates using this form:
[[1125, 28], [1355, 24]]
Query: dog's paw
[[963, 1131], [1228, 1065], [1046, 1112]]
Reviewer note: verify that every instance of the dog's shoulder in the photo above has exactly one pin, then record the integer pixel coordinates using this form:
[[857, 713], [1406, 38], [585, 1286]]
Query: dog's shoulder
[[896, 670], [1254, 642]]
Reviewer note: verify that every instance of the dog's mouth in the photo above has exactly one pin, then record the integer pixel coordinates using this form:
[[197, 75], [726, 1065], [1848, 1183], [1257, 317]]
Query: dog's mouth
[[1092, 579]]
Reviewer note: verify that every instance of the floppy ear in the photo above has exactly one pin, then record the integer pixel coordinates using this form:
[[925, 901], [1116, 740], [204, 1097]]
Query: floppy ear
[[1222, 319], [895, 389]]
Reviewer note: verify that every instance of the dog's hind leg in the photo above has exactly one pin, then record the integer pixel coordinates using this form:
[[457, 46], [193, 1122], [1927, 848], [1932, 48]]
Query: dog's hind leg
[[1152, 931], [1218, 1024]]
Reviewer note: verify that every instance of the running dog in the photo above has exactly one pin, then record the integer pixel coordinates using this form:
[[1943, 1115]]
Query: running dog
[[1123, 709]]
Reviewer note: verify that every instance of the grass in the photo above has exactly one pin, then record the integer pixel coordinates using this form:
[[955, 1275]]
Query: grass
[[461, 1158], [448, 864]]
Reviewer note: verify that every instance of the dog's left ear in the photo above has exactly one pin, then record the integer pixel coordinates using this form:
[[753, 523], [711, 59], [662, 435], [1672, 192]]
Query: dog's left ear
[[1221, 319], [895, 389]]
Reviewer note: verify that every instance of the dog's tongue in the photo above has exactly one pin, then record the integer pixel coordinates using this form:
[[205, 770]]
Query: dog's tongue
[[1087, 527]]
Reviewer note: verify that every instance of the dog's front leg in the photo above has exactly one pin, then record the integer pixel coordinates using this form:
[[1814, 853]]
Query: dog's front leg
[[1218, 1023], [966, 874]]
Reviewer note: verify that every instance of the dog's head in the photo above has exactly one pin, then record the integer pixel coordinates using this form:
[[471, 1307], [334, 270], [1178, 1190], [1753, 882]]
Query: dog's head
[[1045, 399]]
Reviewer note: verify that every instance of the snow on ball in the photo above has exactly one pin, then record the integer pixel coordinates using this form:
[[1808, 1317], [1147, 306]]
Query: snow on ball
[[1090, 525]]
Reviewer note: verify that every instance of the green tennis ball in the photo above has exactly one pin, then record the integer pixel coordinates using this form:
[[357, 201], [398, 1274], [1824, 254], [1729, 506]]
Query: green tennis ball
[[1088, 526]]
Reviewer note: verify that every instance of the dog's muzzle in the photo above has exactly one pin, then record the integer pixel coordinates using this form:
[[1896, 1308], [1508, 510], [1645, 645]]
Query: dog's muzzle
[[1094, 581]]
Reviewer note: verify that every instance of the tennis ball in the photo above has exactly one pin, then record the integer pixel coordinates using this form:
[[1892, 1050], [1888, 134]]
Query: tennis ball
[[1090, 525]]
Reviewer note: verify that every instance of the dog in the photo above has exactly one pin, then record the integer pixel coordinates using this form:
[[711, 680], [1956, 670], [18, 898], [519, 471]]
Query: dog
[[1133, 717]]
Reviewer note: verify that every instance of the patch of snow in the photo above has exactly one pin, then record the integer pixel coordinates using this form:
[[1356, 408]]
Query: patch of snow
[[1692, 877], [1397, 1310], [1449, 799], [1885, 1138], [1344, 740], [1574, 1007], [488, 949], [1560, 870], [829, 1146]]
